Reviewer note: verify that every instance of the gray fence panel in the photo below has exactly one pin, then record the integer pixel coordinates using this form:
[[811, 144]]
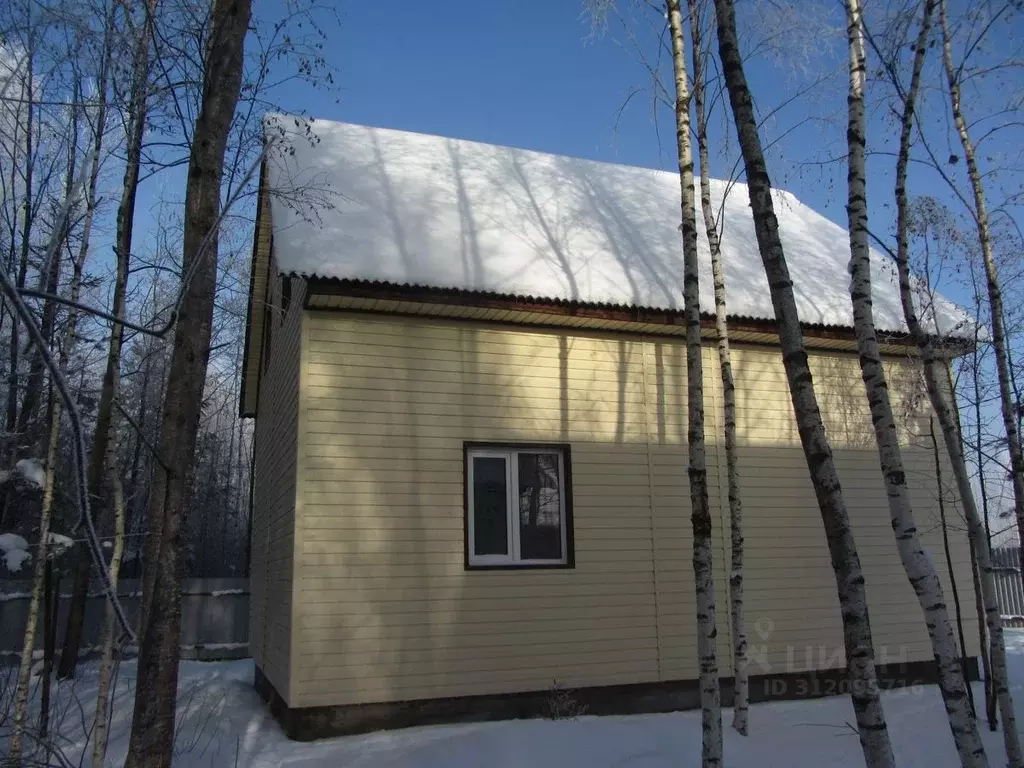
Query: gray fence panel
[[1009, 587], [214, 616]]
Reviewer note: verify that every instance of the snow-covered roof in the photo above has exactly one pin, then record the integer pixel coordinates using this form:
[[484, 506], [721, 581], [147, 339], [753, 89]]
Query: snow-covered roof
[[414, 209]]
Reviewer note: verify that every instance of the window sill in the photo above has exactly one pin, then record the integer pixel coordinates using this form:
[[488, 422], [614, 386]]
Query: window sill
[[520, 567]]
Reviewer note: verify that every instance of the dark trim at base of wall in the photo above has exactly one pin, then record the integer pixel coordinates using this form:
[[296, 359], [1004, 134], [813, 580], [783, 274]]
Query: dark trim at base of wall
[[308, 723]]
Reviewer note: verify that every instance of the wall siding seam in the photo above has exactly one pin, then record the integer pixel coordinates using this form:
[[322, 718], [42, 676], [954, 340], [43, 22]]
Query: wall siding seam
[[298, 531], [644, 343]]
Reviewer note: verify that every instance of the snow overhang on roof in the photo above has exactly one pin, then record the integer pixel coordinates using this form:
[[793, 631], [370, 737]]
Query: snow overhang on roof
[[412, 209]]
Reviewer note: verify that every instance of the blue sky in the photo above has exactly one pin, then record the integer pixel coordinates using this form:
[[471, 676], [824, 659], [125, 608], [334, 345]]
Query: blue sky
[[521, 74], [526, 74]]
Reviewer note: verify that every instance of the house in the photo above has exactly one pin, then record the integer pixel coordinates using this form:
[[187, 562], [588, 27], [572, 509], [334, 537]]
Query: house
[[467, 372]]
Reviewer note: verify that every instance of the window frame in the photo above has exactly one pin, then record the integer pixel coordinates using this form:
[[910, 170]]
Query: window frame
[[510, 452]]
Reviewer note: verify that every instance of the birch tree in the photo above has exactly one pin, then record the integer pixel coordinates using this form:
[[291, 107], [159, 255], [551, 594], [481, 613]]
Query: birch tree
[[14, 748], [940, 395], [700, 508], [739, 633], [136, 122], [860, 661], [997, 313], [991, 704], [917, 563], [101, 715], [152, 734]]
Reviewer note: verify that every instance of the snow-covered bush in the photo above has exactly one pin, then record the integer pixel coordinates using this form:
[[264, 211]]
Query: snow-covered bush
[[14, 551]]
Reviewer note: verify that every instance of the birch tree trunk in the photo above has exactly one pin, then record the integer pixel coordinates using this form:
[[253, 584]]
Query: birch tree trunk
[[52, 447], [741, 685], [700, 509], [860, 658], [991, 705], [918, 564], [995, 295], [51, 599], [950, 570], [28, 211], [152, 736], [940, 396], [112, 373], [14, 748], [941, 404], [101, 717]]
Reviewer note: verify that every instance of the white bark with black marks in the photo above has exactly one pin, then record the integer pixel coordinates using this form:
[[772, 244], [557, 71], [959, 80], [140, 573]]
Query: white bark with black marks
[[700, 508], [991, 705], [940, 397], [741, 684], [102, 714], [992, 282], [918, 564], [14, 744], [860, 657]]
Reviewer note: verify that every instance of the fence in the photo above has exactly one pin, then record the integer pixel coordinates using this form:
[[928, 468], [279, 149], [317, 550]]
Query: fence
[[1009, 588], [214, 616]]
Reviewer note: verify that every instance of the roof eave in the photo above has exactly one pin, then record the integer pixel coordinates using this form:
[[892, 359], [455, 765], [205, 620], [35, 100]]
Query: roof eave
[[372, 289]]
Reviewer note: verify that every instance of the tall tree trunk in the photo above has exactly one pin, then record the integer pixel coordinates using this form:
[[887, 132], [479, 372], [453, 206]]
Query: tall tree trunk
[[36, 369], [917, 563], [50, 600], [42, 565], [49, 279], [991, 705], [101, 716], [112, 373], [995, 295], [940, 394], [26, 233], [741, 685], [152, 735], [700, 509], [939, 483], [31, 622], [860, 655], [941, 404]]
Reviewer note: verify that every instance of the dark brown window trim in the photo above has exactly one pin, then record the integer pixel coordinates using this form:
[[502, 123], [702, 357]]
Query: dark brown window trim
[[570, 548]]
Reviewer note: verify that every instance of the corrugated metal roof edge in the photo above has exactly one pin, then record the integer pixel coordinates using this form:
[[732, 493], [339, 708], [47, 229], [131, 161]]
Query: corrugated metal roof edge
[[467, 295]]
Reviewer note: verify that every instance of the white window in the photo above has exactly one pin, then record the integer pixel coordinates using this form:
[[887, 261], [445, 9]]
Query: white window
[[517, 506]]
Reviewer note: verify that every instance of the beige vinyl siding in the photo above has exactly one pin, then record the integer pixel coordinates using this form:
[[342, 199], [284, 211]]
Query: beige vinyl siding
[[385, 609], [790, 591], [274, 506]]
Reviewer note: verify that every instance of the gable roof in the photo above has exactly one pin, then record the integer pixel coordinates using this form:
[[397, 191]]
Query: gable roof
[[427, 211]]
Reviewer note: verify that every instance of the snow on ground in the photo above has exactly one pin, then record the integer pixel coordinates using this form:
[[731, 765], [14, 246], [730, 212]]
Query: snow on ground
[[223, 722]]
